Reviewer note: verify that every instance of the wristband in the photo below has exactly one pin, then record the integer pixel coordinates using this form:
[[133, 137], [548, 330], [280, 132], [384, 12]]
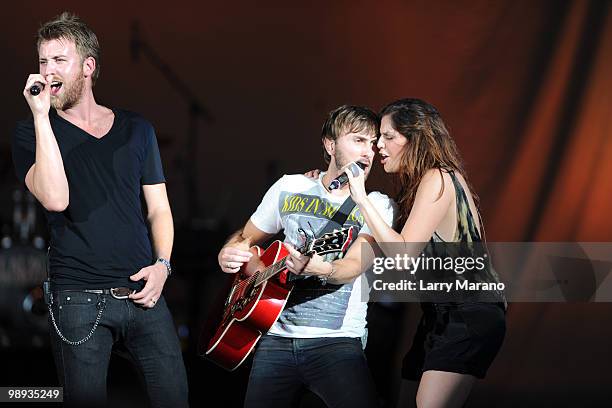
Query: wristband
[[166, 264]]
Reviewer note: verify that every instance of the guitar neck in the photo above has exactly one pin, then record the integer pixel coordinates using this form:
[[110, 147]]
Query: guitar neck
[[270, 271], [328, 243]]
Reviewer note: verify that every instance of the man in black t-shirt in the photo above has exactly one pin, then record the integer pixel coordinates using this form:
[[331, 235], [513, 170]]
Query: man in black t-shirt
[[87, 165]]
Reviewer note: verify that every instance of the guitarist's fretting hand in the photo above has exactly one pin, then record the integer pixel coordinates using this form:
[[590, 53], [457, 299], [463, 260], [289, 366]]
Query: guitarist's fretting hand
[[301, 264]]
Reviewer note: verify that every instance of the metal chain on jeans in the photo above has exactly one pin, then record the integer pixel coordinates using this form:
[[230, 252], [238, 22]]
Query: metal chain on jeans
[[84, 339]]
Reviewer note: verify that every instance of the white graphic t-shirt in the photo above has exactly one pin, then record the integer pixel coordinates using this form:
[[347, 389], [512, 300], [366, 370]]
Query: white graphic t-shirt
[[297, 202]]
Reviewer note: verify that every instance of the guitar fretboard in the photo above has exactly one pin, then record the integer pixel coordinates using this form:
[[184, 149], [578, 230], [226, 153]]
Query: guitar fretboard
[[331, 242], [269, 272]]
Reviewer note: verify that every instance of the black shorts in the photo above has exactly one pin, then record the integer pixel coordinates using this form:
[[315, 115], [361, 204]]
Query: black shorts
[[456, 337]]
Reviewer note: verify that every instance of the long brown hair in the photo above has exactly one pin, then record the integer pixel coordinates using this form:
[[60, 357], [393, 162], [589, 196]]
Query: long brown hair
[[429, 146]]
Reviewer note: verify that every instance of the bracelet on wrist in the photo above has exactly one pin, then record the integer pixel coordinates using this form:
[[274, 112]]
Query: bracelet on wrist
[[166, 263], [325, 278]]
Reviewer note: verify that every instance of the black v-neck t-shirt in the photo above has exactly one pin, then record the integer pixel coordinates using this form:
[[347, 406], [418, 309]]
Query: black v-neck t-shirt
[[101, 238]]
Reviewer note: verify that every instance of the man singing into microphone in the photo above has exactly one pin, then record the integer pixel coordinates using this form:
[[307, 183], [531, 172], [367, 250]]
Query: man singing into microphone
[[316, 343], [88, 166]]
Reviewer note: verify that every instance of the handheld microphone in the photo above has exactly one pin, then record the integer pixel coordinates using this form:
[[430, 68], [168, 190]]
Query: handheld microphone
[[342, 179], [36, 88]]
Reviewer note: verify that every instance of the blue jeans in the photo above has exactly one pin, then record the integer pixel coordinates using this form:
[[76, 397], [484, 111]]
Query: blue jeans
[[148, 335], [334, 368]]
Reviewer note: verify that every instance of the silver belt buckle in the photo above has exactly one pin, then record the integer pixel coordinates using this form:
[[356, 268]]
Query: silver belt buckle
[[121, 293]]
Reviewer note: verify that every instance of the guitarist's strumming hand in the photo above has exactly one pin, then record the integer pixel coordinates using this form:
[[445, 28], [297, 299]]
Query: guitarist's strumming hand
[[232, 257]]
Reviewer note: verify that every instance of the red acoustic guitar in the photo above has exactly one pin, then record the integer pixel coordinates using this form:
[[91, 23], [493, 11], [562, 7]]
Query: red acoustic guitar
[[256, 300]]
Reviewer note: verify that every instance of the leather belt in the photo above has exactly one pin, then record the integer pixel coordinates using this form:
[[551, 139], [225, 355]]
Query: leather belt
[[118, 293]]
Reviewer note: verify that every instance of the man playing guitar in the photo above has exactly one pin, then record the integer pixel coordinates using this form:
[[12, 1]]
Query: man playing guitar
[[316, 343]]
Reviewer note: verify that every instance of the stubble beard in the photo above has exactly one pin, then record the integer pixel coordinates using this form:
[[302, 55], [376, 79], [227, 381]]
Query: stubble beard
[[71, 95]]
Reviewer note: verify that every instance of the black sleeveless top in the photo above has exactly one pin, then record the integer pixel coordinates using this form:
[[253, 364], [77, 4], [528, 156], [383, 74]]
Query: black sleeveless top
[[467, 243]]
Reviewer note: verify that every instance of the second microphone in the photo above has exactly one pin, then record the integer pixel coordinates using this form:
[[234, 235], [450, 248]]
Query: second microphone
[[342, 179]]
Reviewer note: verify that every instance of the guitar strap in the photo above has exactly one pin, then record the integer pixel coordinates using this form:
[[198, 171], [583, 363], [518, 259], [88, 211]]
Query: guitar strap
[[339, 217]]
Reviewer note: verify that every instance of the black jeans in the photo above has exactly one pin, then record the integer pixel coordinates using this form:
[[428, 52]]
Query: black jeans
[[334, 368], [148, 335]]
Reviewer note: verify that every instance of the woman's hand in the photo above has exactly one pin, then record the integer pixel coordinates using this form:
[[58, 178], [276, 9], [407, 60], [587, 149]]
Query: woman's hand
[[356, 178], [313, 174]]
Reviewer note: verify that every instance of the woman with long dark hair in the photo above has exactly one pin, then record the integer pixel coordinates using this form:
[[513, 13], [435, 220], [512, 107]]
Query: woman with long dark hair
[[457, 339]]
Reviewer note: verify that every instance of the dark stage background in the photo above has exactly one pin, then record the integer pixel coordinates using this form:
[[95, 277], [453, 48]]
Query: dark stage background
[[524, 85]]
